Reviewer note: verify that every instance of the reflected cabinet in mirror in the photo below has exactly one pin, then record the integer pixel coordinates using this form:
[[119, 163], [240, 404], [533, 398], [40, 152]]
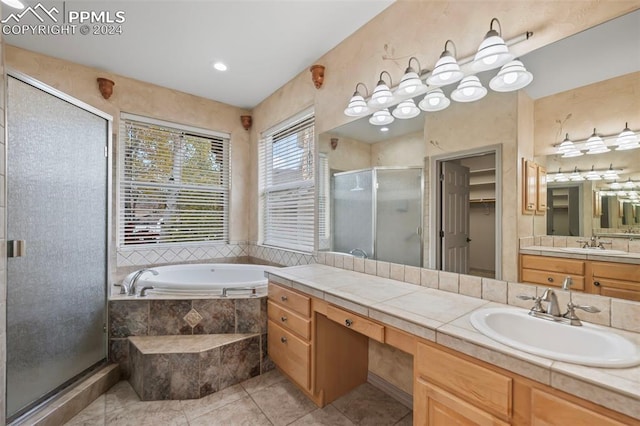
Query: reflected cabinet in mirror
[[585, 82]]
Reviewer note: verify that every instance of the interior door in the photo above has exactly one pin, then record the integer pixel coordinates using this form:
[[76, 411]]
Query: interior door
[[57, 181], [454, 180]]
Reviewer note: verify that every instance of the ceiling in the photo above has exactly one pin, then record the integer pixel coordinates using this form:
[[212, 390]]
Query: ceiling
[[600, 53], [264, 43]]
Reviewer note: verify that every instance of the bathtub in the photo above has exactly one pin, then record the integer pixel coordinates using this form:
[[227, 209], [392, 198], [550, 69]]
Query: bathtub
[[205, 280]]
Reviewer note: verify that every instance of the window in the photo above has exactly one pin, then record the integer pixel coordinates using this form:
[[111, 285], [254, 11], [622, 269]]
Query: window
[[174, 183], [287, 187]]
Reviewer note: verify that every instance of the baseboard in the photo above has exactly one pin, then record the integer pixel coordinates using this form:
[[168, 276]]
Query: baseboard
[[393, 391]]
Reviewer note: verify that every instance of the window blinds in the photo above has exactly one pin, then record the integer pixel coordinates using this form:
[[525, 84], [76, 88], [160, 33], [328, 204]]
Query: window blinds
[[287, 185], [174, 184]]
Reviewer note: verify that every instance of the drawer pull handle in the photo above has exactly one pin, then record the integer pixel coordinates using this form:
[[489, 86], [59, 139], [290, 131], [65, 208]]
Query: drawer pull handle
[[283, 339], [550, 279], [348, 322], [283, 298], [596, 283], [283, 319]]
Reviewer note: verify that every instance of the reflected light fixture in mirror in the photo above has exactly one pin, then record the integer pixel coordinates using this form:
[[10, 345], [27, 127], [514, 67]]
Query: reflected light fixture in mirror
[[382, 96], [493, 51], [447, 70], [512, 76], [470, 89], [598, 144], [410, 84], [558, 177], [576, 176], [434, 100], [610, 174], [381, 118], [406, 109], [593, 175], [357, 106]]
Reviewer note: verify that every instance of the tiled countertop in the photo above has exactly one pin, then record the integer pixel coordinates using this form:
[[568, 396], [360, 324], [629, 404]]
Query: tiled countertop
[[565, 252], [443, 317]]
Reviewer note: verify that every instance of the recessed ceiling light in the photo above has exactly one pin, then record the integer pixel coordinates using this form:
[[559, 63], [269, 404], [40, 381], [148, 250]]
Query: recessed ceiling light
[[220, 66], [384, 129], [17, 4]]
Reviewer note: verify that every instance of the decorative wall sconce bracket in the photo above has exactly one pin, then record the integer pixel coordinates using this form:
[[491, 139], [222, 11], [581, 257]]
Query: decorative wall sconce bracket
[[317, 75], [246, 121], [105, 86]]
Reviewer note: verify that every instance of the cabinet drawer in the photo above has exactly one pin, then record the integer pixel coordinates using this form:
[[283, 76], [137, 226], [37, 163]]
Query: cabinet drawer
[[547, 409], [289, 320], [477, 385], [356, 323], [553, 264], [290, 299], [616, 271], [290, 353], [550, 279]]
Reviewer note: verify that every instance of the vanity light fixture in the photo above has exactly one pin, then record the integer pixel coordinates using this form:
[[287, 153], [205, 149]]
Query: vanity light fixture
[[382, 96], [615, 185], [410, 84], [381, 118], [568, 149], [593, 175], [576, 176], [595, 144], [434, 100], [493, 51], [560, 177], [470, 89], [610, 174], [357, 106], [629, 184], [447, 70], [406, 109], [627, 139], [512, 76]]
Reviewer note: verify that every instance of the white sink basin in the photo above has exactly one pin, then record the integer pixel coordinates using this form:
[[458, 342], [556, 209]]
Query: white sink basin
[[588, 344], [594, 250]]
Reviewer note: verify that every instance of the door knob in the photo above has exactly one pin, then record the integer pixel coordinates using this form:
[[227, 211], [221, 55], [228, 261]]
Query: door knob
[[468, 239]]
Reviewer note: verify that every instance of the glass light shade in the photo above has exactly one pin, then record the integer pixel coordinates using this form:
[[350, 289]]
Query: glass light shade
[[593, 176], [595, 144], [470, 89], [381, 118], [446, 71], [566, 146], [492, 53], [576, 177], [561, 177], [570, 154], [382, 96], [512, 76], [410, 85], [627, 140], [434, 100], [616, 185], [406, 109], [629, 184], [357, 106], [610, 175]]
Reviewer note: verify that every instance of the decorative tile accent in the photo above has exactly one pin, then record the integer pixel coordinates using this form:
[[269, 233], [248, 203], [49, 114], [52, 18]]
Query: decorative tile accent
[[218, 316], [193, 317]]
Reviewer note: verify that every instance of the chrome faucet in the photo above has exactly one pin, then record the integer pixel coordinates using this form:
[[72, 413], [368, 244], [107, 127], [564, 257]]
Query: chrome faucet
[[363, 253], [130, 290], [553, 308], [593, 242]]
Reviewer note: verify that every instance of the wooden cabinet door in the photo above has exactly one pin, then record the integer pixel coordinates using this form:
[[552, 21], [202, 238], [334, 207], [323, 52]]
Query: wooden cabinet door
[[541, 189], [434, 406], [547, 410], [529, 194]]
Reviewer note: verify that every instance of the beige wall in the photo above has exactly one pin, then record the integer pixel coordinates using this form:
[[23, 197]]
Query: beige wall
[[407, 150], [349, 154], [149, 100]]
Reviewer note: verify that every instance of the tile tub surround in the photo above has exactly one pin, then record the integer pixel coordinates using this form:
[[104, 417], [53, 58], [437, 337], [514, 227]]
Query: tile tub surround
[[191, 367], [443, 317], [136, 317]]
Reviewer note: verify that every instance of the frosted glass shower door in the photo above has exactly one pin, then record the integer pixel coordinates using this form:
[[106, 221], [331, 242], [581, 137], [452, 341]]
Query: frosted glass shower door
[[57, 184], [353, 213], [399, 216]]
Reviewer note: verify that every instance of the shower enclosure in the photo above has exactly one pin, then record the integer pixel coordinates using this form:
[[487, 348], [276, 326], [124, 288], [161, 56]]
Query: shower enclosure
[[378, 213], [57, 215]]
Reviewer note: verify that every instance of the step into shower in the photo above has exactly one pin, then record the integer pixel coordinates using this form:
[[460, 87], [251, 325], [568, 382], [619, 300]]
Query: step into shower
[[192, 366]]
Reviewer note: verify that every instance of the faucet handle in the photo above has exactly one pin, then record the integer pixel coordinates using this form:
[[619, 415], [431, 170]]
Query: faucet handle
[[586, 308], [537, 302]]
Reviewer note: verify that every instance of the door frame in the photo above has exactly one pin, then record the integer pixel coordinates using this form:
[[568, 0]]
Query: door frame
[[109, 164], [435, 211]]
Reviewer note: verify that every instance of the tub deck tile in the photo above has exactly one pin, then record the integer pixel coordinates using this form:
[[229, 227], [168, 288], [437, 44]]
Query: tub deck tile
[[184, 344]]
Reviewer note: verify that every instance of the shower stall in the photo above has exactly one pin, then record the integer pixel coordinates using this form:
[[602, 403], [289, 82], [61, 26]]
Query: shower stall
[[377, 213]]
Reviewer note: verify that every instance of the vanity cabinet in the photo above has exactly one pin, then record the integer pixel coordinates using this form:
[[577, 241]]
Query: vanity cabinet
[[547, 409], [551, 271], [620, 280]]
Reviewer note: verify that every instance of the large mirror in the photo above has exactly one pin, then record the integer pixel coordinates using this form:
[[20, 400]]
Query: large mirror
[[588, 80]]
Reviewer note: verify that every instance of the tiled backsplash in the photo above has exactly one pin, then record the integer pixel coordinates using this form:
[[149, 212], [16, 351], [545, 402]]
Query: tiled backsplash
[[179, 254], [631, 244], [622, 314], [279, 257]]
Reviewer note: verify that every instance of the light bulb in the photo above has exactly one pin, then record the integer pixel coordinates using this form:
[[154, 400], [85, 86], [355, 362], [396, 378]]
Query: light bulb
[[445, 76], [489, 60], [433, 101], [468, 91], [510, 78]]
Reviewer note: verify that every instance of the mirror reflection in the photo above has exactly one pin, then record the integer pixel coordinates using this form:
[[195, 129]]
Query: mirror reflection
[[575, 88]]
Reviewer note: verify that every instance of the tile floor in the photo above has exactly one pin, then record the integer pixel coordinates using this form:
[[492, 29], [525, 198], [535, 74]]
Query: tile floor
[[269, 399]]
